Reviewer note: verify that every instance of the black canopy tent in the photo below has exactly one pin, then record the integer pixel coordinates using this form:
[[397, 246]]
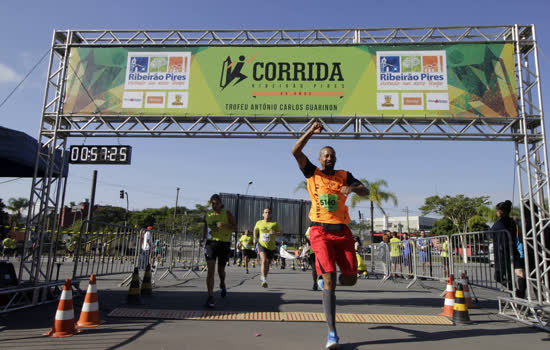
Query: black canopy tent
[[18, 155]]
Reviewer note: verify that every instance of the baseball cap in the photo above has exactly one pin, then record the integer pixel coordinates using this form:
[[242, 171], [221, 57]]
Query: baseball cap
[[149, 227]]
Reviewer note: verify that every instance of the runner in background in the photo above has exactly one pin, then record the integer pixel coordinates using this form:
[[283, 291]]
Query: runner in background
[[246, 248], [218, 226], [264, 233]]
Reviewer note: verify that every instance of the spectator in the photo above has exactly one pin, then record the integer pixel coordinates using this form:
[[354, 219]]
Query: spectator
[[146, 244], [396, 253]]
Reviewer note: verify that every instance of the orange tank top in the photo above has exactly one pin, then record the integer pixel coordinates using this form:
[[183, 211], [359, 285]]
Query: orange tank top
[[328, 205]]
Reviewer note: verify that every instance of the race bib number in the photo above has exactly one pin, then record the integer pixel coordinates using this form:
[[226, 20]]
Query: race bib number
[[266, 237], [329, 201]]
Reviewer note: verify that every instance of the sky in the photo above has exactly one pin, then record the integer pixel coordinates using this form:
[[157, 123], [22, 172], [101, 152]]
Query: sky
[[413, 170]]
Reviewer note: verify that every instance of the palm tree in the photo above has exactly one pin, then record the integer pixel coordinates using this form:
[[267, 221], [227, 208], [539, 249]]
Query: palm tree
[[16, 205], [376, 197], [301, 186]]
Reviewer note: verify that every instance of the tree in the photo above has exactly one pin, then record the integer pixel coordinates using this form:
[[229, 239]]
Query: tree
[[3, 219], [477, 223], [376, 197], [302, 185], [16, 205], [458, 209], [443, 227]]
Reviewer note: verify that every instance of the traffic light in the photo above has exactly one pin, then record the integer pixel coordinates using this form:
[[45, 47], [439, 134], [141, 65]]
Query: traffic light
[[121, 194]]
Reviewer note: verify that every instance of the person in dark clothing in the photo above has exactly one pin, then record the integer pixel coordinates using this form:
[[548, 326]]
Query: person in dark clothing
[[507, 254]]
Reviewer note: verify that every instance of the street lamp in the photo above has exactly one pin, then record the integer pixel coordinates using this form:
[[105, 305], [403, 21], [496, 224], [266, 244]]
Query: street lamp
[[248, 186]]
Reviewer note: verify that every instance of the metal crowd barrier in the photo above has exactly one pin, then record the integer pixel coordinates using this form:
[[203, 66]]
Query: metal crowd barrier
[[486, 257], [105, 249]]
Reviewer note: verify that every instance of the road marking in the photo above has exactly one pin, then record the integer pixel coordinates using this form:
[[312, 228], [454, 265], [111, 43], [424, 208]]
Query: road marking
[[278, 316]]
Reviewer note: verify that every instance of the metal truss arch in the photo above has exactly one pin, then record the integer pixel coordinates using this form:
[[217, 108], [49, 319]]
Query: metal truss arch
[[527, 132]]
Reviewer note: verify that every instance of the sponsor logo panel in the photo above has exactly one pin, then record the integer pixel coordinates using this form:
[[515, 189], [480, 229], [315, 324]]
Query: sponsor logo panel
[[437, 101], [387, 101], [155, 99], [132, 99], [411, 70], [412, 101], [157, 71], [178, 99]]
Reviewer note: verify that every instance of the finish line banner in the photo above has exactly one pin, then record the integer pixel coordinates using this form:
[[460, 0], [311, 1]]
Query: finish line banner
[[455, 80]]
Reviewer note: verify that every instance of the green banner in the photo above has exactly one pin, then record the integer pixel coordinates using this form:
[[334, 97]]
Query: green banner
[[452, 80]]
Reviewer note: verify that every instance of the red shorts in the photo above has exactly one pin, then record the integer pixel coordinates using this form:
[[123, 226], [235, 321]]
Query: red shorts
[[333, 248]]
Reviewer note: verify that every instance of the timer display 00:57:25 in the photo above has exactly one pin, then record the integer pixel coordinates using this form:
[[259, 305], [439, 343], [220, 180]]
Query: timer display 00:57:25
[[100, 154]]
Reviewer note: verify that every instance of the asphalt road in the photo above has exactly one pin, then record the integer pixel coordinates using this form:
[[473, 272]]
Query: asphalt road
[[289, 291]]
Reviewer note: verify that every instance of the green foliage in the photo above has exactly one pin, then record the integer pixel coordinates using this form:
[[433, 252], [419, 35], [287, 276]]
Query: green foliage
[[302, 186], [459, 209], [443, 227], [477, 223], [376, 194], [16, 205], [110, 214]]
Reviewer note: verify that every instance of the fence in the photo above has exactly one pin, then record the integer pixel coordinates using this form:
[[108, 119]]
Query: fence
[[486, 257], [104, 249]]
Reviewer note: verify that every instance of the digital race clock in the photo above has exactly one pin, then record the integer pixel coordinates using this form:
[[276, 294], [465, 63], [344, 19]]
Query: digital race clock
[[81, 154]]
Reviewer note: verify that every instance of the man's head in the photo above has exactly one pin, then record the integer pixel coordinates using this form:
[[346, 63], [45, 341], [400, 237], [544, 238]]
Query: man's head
[[393, 234], [405, 235], [422, 234], [267, 214], [327, 158], [246, 232]]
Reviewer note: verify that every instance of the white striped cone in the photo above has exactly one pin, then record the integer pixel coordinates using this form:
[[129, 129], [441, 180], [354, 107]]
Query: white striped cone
[[64, 325], [448, 306], [89, 316], [467, 295]]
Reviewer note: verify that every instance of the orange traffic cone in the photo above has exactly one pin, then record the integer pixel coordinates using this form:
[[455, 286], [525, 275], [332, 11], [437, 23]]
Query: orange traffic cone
[[467, 295], [460, 314], [449, 299], [89, 316], [64, 325]]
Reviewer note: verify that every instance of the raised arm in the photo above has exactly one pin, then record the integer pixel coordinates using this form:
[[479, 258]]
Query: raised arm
[[301, 158]]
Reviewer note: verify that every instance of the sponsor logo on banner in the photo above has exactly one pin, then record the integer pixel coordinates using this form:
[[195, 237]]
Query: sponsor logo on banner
[[411, 70], [412, 101], [155, 99], [387, 101], [177, 99], [437, 101], [234, 71], [157, 71], [132, 99]]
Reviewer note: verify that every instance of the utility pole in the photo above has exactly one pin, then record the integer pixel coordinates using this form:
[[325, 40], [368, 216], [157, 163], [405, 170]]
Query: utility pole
[[127, 209], [176, 208], [92, 201], [407, 211]]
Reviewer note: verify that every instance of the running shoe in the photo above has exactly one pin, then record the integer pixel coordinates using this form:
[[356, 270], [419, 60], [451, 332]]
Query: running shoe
[[315, 286], [264, 284], [224, 290], [320, 282], [332, 341], [210, 302], [247, 271]]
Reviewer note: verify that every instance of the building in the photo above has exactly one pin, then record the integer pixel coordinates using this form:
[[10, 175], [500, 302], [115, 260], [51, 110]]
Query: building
[[69, 215], [403, 224]]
